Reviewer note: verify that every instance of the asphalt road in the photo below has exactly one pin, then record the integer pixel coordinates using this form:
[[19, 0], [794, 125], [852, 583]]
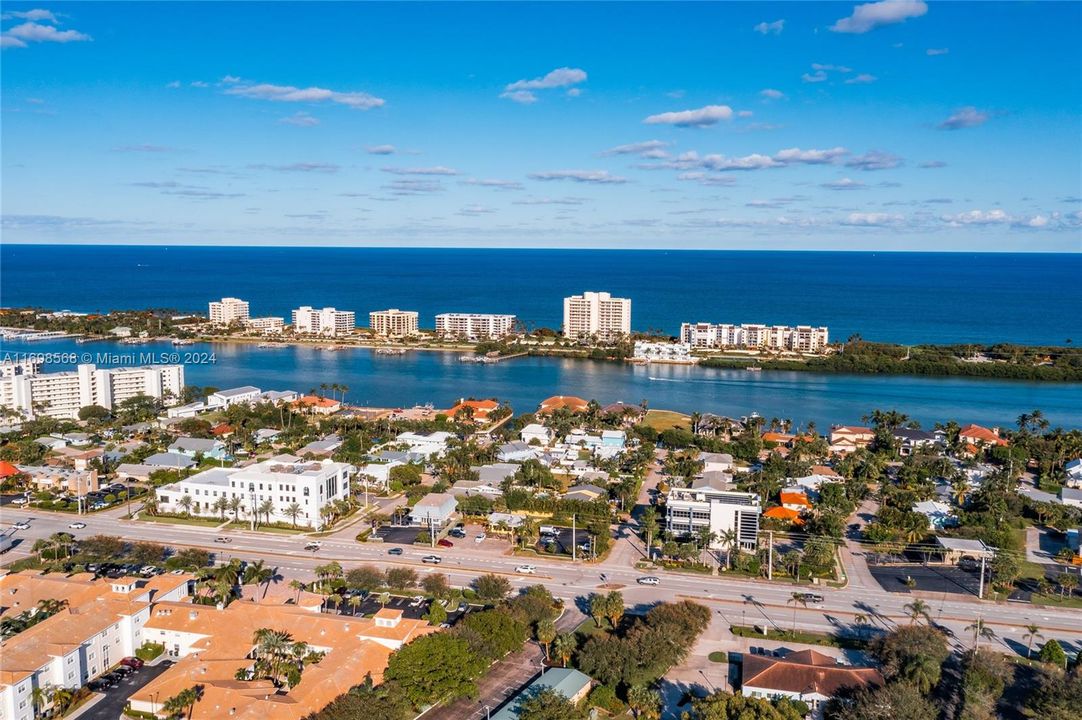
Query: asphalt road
[[112, 706], [738, 601]]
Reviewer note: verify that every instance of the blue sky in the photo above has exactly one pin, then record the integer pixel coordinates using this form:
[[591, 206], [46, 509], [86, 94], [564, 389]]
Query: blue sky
[[894, 125]]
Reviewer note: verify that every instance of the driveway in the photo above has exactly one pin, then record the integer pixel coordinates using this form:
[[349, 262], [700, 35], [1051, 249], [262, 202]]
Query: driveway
[[112, 705]]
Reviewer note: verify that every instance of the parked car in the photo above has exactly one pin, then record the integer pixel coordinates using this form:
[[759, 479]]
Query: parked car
[[649, 580], [395, 551], [433, 559], [20, 501], [417, 601], [968, 562], [97, 685], [458, 533], [223, 540], [148, 570], [76, 525], [132, 662], [526, 569], [444, 542], [21, 525], [122, 670], [480, 538]]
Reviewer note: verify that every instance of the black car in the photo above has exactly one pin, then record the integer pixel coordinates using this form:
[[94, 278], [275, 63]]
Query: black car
[[395, 551], [97, 685]]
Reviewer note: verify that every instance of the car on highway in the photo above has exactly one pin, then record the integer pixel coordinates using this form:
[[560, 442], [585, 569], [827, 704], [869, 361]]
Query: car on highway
[[812, 598], [21, 525], [76, 525], [223, 540], [649, 580], [432, 559], [526, 569], [313, 546], [395, 551], [444, 542], [480, 538]]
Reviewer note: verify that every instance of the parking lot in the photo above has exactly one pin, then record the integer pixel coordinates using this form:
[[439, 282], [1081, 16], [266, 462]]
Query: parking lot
[[405, 603], [926, 578], [112, 705], [563, 540], [398, 535]]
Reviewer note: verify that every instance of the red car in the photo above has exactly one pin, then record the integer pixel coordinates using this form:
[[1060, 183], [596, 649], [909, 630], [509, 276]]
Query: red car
[[133, 662], [444, 542]]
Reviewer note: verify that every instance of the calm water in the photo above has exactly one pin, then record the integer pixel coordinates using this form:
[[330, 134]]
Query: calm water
[[899, 297], [439, 378]]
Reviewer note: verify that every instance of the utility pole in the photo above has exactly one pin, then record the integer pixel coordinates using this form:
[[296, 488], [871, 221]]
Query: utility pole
[[431, 532], [980, 592], [251, 517], [574, 541], [770, 555]]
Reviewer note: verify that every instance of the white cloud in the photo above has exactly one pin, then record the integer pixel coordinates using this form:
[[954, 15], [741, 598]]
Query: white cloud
[[434, 170], [574, 92], [494, 183], [839, 68], [869, 16], [599, 177], [709, 115], [706, 179], [810, 157], [932, 165], [861, 79], [199, 84], [560, 77], [230, 80], [414, 187], [475, 210], [317, 167], [875, 160], [844, 184], [745, 114], [771, 94], [35, 32], [550, 201], [30, 15], [300, 119], [817, 77], [288, 93], [755, 161], [522, 97], [932, 52], [646, 148], [767, 28], [979, 217], [966, 117], [871, 219], [380, 149], [173, 85], [10, 42]]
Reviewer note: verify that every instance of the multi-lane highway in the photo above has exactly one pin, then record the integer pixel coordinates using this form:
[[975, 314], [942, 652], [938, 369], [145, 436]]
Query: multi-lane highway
[[739, 601]]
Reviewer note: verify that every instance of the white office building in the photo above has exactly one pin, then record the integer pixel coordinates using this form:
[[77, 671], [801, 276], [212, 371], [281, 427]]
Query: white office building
[[596, 314], [474, 326], [393, 322], [326, 321], [61, 395], [711, 504], [802, 338], [228, 310], [283, 480]]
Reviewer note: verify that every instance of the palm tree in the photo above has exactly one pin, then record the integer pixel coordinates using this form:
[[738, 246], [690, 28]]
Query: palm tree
[[265, 508], [257, 574], [861, 621], [236, 504], [546, 634], [293, 510], [354, 603], [221, 505], [729, 539], [916, 609], [62, 698], [183, 702], [797, 598], [649, 525], [1032, 633], [980, 630], [39, 696], [644, 702], [296, 586], [185, 504], [563, 647]]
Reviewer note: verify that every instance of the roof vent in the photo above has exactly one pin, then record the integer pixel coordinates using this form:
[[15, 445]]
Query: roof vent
[[192, 614]]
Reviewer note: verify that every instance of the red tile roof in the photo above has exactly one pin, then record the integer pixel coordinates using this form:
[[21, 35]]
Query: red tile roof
[[572, 403], [805, 671], [980, 434]]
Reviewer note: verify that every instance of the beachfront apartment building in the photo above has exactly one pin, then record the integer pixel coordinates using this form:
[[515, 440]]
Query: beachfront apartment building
[[708, 503], [60, 395], [228, 310], [267, 325], [282, 480], [474, 326], [802, 338], [596, 314], [327, 321], [393, 323]]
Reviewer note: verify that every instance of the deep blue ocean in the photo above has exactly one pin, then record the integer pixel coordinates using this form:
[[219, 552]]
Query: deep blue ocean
[[896, 297]]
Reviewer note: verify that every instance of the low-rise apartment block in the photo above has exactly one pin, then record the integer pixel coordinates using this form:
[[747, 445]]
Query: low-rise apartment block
[[474, 326], [227, 311], [802, 338], [61, 395], [596, 314], [266, 325], [393, 323], [714, 505], [283, 481], [327, 321]]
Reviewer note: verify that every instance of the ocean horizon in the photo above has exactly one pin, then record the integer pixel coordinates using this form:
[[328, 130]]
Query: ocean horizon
[[1026, 298]]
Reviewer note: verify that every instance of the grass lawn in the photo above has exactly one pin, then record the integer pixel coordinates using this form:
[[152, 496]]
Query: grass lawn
[[808, 638], [662, 420], [199, 521], [1057, 601]]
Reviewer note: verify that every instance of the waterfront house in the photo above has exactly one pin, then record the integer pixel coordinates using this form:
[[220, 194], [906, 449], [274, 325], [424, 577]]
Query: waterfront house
[[911, 439], [481, 409], [317, 405], [567, 402], [979, 436], [233, 396], [809, 676], [1074, 473], [849, 438]]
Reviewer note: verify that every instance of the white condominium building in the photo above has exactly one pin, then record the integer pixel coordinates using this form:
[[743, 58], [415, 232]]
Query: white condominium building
[[596, 314], [228, 310], [327, 321], [803, 338], [283, 481], [267, 325], [474, 326], [393, 322], [61, 395], [711, 504]]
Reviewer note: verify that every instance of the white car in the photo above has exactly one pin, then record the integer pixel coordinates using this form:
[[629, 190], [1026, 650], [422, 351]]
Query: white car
[[417, 601], [76, 525], [649, 580], [19, 501], [21, 526], [313, 546], [526, 569], [480, 538]]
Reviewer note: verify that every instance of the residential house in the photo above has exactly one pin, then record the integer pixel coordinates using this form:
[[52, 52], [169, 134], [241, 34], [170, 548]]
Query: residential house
[[61, 480], [911, 439], [516, 451], [263, 435], [317, 405], [434, 509], [190, 447], [567, 402], [224, 398], [1071, 496], [321, 448], [720, 462], [940, 515], [953, 549], [427, 444], [849, 438], [377, 474], [585, 493], [535, 433], [980, 437], [809, 676], [169, 461], [481, 409], [1074, 473]]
